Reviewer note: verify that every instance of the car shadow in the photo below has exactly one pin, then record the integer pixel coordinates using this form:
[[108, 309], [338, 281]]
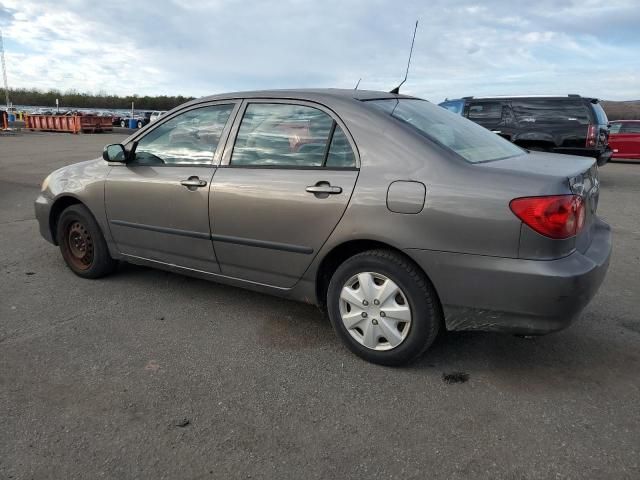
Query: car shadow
[[570, 359]]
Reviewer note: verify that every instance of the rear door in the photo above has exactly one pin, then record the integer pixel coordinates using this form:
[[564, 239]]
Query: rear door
[[283, 186], [157, 204]]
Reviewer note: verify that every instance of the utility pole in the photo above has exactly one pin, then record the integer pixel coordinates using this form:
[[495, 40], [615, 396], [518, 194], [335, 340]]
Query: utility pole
[[4, 71]]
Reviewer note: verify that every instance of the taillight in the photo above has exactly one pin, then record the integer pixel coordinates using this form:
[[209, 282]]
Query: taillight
[[591, 136], [555, 216]]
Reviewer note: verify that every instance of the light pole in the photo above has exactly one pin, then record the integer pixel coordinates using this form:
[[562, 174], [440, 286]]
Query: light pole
[[4, 71]]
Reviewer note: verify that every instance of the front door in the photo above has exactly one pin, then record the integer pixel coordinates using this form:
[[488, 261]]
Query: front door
[[280, 191], [157, 203]]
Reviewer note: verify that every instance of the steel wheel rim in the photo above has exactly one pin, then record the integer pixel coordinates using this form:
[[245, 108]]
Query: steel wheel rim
[[375, 311], [79, 246]]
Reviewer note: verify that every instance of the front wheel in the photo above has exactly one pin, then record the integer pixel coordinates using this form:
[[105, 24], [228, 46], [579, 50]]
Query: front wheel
[[383, 307], [140, 124], [82, 244]]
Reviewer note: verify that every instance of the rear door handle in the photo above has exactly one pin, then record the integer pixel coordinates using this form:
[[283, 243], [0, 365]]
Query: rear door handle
[[324, 188], [193, 182]]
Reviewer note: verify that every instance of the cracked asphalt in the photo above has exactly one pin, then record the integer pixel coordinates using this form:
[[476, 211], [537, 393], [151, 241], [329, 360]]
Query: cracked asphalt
[[148, 374]]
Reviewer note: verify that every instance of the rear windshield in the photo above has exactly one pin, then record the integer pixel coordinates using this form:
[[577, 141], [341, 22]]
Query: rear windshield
[[469, 140], [550, 111]]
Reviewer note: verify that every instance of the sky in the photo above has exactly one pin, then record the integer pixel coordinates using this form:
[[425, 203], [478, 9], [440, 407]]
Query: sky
[[203, 47]]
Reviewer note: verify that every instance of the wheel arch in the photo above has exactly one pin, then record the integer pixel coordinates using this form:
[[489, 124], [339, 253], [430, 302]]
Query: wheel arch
[[338, 254], [59, 205]]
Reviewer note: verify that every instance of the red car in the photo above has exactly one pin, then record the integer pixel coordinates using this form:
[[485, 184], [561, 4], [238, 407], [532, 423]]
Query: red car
[[624, 139]]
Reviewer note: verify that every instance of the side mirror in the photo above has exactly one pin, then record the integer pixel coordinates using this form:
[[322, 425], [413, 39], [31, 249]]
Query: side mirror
[[114, 153]]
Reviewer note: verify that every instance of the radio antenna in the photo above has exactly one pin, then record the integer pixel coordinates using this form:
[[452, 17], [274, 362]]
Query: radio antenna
[[397, 89], [357, 84]]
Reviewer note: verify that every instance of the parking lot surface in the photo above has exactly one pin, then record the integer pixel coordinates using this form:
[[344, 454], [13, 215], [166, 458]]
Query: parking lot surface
[[149, 374]]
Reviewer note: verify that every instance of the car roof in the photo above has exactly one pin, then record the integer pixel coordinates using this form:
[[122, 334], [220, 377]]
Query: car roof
[[313, 94], [624, 121]]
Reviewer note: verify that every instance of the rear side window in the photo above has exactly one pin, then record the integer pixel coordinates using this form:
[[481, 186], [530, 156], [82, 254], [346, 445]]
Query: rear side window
[[469, 140], [273, 134], [615, 128], [630, 127], [485, 111], [542, 111]]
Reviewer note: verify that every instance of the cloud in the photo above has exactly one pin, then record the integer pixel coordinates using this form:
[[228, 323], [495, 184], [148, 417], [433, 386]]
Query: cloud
[[202, 47]]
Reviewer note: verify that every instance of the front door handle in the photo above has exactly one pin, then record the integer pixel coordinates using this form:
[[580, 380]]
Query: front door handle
[[325, 188], [193, 182]]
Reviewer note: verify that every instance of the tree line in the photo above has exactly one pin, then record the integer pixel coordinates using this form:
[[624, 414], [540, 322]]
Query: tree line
[[75, 99]]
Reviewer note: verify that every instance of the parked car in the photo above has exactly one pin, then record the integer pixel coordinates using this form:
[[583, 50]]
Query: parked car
[[568, 124], [141, 118], [156, 115], [437, 224], [624, 139]]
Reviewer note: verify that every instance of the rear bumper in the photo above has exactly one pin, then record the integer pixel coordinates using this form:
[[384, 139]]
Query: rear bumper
[[529, 297]]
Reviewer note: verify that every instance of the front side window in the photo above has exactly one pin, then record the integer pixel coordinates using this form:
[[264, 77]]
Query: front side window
[[273, 134], [190, 138], [466, 138]]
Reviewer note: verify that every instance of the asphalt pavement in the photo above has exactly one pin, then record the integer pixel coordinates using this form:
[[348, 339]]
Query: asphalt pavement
[[149, 374]]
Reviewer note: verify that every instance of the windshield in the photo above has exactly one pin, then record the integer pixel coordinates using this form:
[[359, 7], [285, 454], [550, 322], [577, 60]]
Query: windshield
[[454, 106], [471, 141]]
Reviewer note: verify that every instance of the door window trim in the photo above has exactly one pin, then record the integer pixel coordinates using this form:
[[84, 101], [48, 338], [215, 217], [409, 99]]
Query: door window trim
[[217, 155], [233, 136]]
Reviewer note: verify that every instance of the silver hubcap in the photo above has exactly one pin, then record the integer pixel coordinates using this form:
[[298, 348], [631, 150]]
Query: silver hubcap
[[375, 311]]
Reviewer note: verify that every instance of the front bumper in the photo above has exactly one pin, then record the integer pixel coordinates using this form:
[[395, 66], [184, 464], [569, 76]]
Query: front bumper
[[529, 297], [43, 214]]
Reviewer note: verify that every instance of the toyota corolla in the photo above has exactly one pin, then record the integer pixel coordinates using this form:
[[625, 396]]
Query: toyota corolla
[[397, 217]]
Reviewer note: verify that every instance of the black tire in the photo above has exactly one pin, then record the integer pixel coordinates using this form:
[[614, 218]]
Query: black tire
[[423, 301], [82, 244], [123, 123], [140, 124]]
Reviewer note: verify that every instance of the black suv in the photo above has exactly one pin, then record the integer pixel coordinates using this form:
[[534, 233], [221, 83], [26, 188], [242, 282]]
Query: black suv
[[562, 124]]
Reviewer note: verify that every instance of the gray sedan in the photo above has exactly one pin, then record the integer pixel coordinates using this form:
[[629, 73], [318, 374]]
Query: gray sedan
[[399, 218]]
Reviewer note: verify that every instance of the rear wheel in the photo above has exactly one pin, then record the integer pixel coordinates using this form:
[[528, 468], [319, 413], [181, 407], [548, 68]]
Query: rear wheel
[[123, 123], [383, 307], [82, 244], [139, 124]]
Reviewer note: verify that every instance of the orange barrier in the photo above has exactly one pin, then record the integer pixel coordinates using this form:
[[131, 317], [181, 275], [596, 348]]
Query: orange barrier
[[4, 121], [70, 124]]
